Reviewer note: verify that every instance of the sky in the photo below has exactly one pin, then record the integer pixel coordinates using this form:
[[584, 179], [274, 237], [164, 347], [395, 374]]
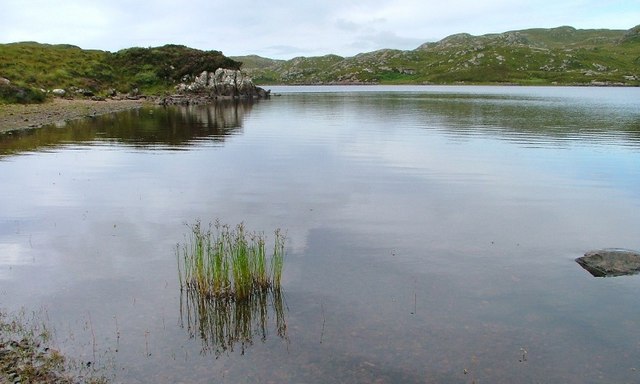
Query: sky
[[285, 29]]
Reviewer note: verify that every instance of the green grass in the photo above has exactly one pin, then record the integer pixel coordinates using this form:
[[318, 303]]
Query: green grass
[[224, 262], [11, 94], [32, 66], [277, 260], [228, 285]]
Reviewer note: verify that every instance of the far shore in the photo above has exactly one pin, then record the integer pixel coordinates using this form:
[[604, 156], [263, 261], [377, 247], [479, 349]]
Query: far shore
[[56, 111]]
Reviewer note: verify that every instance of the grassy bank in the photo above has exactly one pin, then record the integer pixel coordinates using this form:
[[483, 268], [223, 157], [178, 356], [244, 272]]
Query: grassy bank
[[28, 70]]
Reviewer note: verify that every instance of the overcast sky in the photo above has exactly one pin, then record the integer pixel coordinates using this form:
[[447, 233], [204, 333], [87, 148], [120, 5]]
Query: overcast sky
[[285, 29]]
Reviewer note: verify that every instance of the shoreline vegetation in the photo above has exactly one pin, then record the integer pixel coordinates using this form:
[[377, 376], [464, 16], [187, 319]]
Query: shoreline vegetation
[[229, 284], [27, 354], [220, 262]]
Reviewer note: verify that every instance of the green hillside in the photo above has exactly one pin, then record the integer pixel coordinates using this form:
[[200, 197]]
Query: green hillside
[[31, 67], [563, 55], [156, 69]]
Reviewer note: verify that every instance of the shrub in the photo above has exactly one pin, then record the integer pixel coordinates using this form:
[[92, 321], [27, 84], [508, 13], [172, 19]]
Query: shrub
[[10, 93]]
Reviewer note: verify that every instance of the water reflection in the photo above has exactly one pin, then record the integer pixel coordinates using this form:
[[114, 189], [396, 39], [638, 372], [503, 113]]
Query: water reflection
[[222, 323], [432, 205], [158, 128], [524, 119]]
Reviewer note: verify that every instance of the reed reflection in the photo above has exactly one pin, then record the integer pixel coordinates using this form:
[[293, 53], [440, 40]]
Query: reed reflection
[[223, 324]]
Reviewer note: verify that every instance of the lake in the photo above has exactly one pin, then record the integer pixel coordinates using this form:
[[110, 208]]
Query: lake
[[431, 235]]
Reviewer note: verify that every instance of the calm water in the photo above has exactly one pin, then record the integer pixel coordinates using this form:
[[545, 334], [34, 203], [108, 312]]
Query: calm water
[[432, 233]]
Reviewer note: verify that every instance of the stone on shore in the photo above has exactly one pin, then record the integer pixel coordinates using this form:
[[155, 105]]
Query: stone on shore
[[210, 86], [611, 262]]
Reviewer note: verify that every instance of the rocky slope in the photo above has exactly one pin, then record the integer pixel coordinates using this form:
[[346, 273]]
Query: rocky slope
[[210, 86], [563, 55]]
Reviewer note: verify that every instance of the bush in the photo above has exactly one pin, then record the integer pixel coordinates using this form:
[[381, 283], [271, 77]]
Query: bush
[[10, 93], [145, 78]]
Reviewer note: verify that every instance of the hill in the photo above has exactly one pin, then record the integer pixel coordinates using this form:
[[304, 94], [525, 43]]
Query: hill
[[28, 67], [563, 55]]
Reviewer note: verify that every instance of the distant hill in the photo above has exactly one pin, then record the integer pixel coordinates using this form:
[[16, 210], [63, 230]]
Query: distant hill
[[30, 66], [563, 55]]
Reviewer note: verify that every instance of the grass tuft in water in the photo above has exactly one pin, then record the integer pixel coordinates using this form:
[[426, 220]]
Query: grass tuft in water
[[221, 262], [277, 260]]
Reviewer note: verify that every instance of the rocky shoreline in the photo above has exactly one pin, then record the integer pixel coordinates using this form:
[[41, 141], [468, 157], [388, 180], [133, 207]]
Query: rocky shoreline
[[27, 355], [58, 111], [205, 88]]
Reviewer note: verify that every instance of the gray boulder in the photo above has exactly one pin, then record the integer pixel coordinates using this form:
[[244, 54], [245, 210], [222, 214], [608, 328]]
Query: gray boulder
[[611, 262], [227, 83], [59, 92]]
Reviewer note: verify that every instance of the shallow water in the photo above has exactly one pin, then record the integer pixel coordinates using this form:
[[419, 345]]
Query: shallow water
[[432, 233]]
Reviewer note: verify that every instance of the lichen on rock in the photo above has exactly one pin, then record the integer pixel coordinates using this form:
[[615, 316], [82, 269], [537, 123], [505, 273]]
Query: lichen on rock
[[224, 83]]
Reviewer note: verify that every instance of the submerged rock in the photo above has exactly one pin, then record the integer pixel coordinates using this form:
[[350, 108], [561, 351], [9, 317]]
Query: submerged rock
[[611, 262]]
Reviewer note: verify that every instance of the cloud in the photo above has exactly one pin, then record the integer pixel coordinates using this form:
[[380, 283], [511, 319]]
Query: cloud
[[384, 39], [284, 50], [347, 25], [288, 29]]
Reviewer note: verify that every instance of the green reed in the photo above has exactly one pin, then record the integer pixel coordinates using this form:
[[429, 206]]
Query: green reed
[[222, 262], [277, 259]]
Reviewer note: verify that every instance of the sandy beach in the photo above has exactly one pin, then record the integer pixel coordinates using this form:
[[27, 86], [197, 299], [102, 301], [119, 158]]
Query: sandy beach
[[19, 116]]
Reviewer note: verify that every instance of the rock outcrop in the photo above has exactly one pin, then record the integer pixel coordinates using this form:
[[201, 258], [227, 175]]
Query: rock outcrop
[[210, 86], [611, 262]]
